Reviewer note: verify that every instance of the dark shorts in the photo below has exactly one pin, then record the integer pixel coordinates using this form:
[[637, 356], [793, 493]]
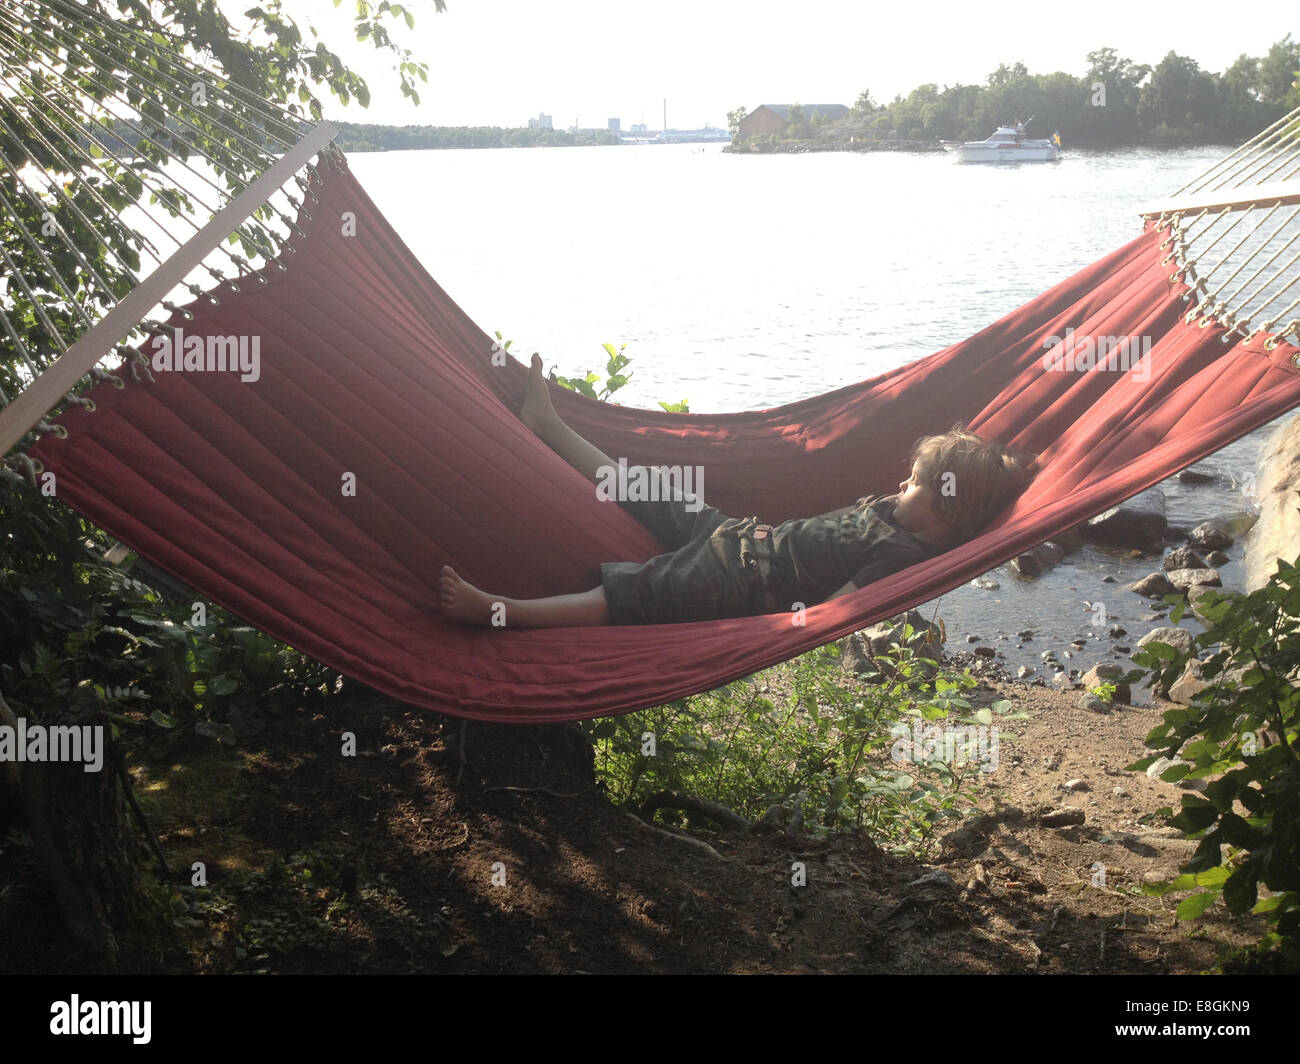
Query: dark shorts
[[717, 566]]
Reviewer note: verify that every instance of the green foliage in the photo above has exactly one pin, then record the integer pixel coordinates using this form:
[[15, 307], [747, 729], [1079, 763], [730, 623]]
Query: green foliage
[[1240, 735], [593, 387], [806, 733], [1105, 691], [354, 137], [1174, 102]]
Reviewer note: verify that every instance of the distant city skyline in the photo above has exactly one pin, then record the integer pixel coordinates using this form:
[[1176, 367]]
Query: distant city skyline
[[500, 62]]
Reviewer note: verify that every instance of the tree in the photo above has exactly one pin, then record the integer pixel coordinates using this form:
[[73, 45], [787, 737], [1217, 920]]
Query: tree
[[864, 105], [796, 126], [273, 61], [734, 118], [1279, 71]]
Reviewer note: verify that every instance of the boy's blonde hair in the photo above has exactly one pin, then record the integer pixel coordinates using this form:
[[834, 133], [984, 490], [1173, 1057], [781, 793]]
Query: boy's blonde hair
[[986, 477]]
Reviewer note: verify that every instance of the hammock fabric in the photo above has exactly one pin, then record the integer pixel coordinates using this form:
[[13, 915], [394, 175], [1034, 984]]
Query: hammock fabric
[[367, 367]]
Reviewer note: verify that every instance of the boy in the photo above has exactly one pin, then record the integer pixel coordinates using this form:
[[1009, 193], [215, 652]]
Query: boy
[[721, 566]]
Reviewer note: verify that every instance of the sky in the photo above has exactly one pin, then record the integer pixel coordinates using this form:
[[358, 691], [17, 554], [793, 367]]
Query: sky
[[499, 62]]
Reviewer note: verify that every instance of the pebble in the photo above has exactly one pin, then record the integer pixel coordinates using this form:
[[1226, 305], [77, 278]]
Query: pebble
[[1119, 792], [1064, 817], [1092, 702], [1025, 634], [1024, 670], [1076, 785]]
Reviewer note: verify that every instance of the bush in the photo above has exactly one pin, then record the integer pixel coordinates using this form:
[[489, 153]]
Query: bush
[[1240, 735]]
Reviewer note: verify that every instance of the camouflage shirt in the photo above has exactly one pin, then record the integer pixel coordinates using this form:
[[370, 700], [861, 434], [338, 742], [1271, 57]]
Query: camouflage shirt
[[816, 556]]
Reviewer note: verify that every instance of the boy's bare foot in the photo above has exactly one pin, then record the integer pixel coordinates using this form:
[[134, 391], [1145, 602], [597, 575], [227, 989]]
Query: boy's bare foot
[[537, 412], [463, 602]]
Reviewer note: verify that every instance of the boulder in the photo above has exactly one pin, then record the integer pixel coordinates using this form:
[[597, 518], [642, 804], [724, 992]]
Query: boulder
[[1138, 522], [1182, 558], [1037, 561], [1186, 579], [1153, 585], [1178, 638]]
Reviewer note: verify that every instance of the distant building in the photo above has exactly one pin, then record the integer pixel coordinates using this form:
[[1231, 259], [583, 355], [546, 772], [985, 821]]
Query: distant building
[[772, 117], [542, 121], [639, 127], [615, 125]]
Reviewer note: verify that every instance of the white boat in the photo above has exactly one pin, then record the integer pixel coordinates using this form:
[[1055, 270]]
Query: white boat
[[1008, 145]]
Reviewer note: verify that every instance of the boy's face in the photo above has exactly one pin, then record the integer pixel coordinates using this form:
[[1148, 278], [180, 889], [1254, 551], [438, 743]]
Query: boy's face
[[916, 510]]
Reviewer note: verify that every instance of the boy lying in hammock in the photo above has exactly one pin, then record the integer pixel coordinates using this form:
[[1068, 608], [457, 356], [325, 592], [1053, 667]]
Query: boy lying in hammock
[[722, 566]]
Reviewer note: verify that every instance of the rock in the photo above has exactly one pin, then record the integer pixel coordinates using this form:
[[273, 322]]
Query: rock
[[1025, 633], [1116, 632], [1108, 579], [1136, 522], [985, 652], [1190, 683], [1178, 638], [1209, 536], [1105, 672], [1216, 558], [972, 638], [1092, 702], [935, 879], [1064, 817], [1184, 579], [1154, 585], [853, 655], [1236, 523], [985, 583], [1076, 785], [1182, 558], [1197, 593], [1037, 561], [1119, 792], [1024, 670], [1195, 476], [1160, 764]]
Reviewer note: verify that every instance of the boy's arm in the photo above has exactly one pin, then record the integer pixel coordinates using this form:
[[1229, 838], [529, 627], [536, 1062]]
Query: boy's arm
[[850, 586]]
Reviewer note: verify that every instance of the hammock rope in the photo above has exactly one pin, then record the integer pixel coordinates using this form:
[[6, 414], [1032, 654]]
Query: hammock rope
[[84, 127]]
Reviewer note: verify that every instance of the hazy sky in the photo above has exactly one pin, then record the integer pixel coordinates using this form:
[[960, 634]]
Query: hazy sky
[[498, 62]]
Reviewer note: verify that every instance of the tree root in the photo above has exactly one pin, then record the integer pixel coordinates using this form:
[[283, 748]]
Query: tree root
[[688, 802]]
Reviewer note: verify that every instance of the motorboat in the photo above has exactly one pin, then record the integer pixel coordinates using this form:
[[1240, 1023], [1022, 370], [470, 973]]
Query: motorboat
[[1008, 145]]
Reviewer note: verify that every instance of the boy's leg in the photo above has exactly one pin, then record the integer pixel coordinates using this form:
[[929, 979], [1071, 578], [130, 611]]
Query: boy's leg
[[463, 602], [672, 518]]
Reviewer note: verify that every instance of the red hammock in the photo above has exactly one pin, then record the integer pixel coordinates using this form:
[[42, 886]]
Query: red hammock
[[367, 367]]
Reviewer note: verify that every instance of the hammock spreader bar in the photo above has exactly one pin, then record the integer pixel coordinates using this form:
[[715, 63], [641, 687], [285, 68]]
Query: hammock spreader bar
[[370, 375]]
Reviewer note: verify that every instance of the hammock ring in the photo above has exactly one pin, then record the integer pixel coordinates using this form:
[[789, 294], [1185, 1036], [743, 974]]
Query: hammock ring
[[1167, 259], [116, 382], [261, 279], [88, 405], [1205, 322], [61, 431], [1187, 296], [1175, 277], [1272, 342], [291, 249], [234, 287], [1164, 244], [38, 467], [281, 267]]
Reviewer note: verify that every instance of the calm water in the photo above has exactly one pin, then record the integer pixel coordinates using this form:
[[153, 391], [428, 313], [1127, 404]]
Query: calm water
[[743, 282]]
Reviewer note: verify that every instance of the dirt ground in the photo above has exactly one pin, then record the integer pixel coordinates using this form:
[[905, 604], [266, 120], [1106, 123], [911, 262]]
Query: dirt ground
[[405, 859]]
